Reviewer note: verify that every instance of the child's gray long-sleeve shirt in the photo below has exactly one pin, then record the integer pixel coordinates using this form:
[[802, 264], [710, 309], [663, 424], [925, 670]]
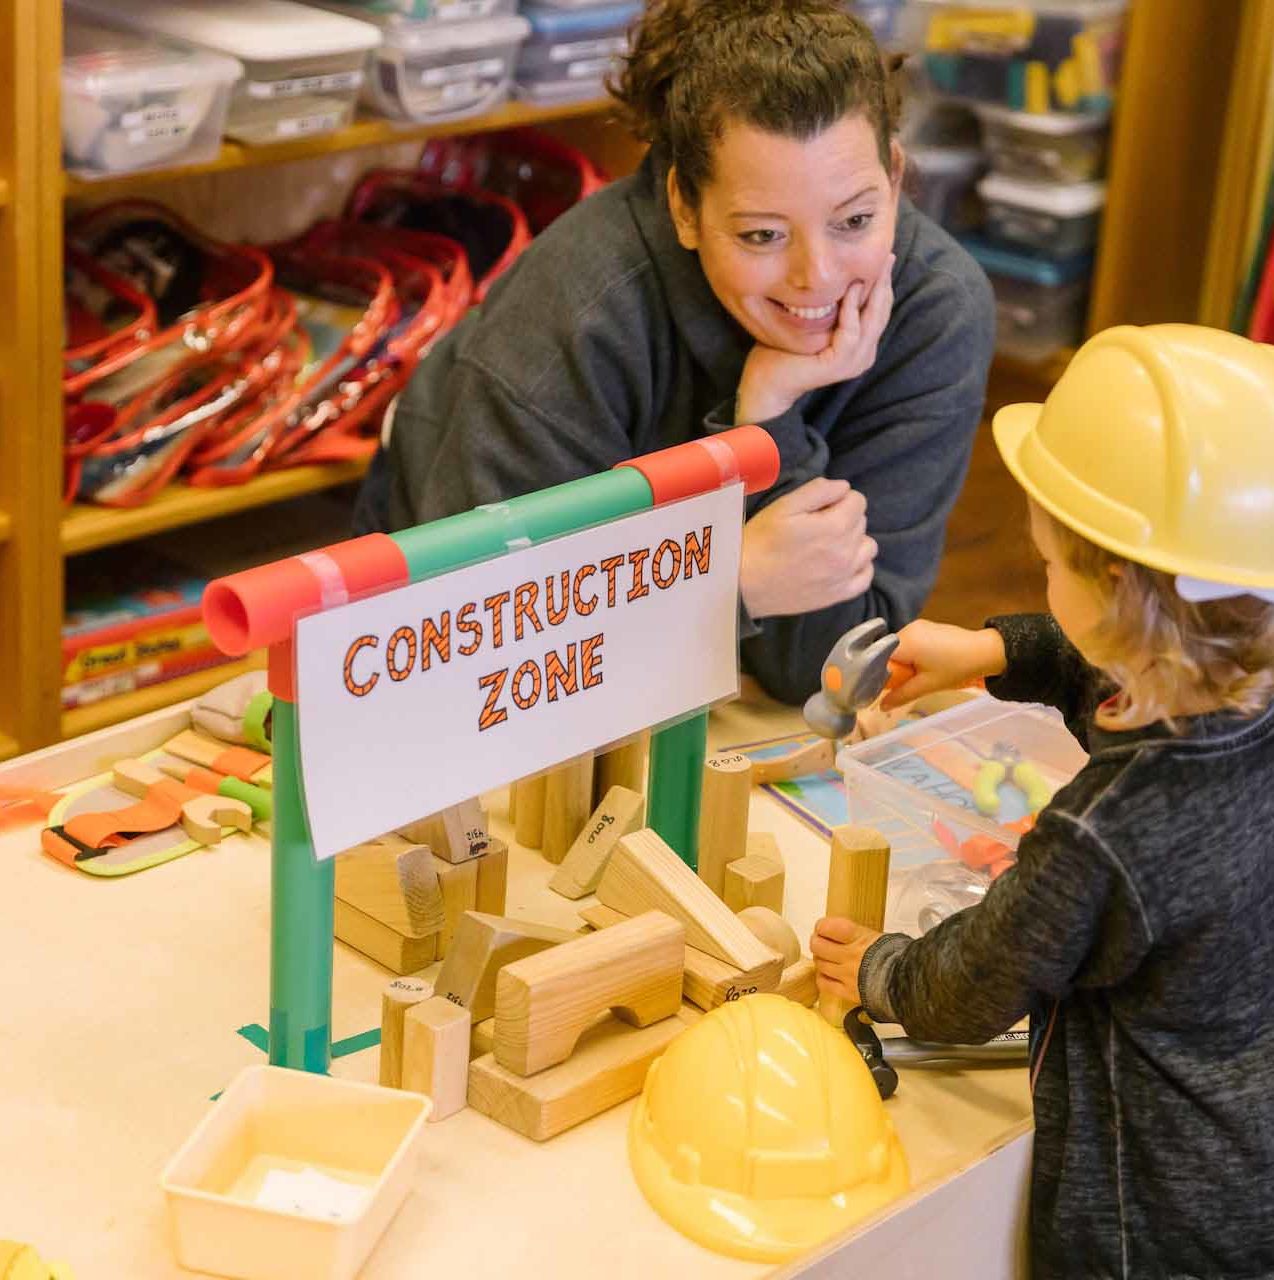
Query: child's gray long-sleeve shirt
[[1141, 911], [605, 341]]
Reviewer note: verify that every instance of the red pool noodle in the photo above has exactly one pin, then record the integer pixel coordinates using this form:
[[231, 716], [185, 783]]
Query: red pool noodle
[[699, 466]]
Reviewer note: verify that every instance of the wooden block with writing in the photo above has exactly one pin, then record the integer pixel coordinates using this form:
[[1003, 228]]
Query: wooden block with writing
[[622, 766], [459, 882], [399, 996], [398, 952], [754, 882], [482, 946], [544, 1002], [857, 884], [455, 835], [393, 882], [644, 874], [798, 982], [436, 1054], [568, 800], [528, 824], [608, 1067], [493, 877], [723, 816], [707, 981], [620, 812]]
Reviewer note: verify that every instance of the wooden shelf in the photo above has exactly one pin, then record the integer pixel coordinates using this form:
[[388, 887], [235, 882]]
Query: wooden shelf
[[4, 192], [99, 715], [8, 747], [367, 132], [6, 526], [86, 528]]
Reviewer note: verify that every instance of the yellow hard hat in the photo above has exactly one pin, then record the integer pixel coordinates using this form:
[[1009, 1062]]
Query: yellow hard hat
[[760, 1132], [1157, 444]]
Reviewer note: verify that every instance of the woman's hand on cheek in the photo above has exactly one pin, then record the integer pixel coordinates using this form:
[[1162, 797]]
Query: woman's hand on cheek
[[773, 381]]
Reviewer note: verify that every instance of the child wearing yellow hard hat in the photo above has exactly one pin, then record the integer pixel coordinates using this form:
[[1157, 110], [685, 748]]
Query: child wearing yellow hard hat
[[1137, 927]]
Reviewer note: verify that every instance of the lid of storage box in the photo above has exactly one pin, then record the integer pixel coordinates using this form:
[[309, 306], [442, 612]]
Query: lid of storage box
[[1061, 199], [947, 160], [1053, 123], [1086, 9], [253, 30], [565, 24], [100, 60], [415, 38], [1023, 264]]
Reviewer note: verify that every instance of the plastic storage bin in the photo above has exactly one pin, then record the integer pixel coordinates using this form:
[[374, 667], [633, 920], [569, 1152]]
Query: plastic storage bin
[[571, 51], [430, 10], [943, 183], [1059, 55], [1040, 301], [130, 103], [444, 71], [348, 1152], [1049, 217], [303, 68], [1055, 147]]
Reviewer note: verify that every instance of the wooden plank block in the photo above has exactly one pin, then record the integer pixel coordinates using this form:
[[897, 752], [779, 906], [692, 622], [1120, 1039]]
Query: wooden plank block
[[493, 878], [481, 1038], [393, 882], [455, 834], [798, 982], [723, 816], [528, 825], [608, 1067], [707, 982], [622, 766], [754, 882], [568, 799], [399, 996], [644, 874], [810, 757], [483, 944], [396, 951], [544, 1002], [620, 812], [459, 881], [436, 1054], [769, 927], [857, 883]]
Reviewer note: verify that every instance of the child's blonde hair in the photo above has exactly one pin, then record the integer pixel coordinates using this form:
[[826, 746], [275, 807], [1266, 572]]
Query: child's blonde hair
[[1221, 651]]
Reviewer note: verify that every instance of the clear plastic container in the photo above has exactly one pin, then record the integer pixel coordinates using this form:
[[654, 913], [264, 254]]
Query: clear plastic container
[[1053, 218], [943, 183], [444, 71], [571, 51], [428, 10], [129, 102], [1056, 147], [1040, 301], [1054, 55], [303, 68]]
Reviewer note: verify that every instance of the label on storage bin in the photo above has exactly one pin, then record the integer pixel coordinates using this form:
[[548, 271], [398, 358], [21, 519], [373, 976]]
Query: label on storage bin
[[589, 69], [168, 115], [469, 71], [320, 122], [588, 48], [336, 82], [452, 9]]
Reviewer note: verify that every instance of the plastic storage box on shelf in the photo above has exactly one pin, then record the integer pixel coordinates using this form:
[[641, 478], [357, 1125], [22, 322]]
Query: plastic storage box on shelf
[[427, 71], [1052, 218], [1055, 147], [1040, 301], [571, 50], [1054, 55], [431, 10], [129, 102], [303, 68], [943, 183]]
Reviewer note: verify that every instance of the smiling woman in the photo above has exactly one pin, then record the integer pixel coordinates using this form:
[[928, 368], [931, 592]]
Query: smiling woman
[[761, 267]]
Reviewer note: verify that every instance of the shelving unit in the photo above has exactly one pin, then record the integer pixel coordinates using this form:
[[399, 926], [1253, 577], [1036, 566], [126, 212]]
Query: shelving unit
[[1171, 95]]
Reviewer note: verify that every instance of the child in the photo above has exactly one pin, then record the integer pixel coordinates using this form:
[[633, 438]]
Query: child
[[1137, 927]]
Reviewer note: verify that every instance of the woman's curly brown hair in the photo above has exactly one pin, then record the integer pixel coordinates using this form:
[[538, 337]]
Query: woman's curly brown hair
[[790, 67]]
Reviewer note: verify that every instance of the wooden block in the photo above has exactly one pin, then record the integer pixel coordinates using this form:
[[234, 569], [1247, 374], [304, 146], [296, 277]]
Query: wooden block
[[620, 812], [622, 766], [544, 1002], [481, 1038], [455, 835], [528, 826], [436, 1054], [204, 817], [723, 816], [459, 881], [769, 927], [707, 982], [644, 874], [798, 982], [493, 877], [608, 1067], [800, 762], [754, 882], [399, 996], [857, 884], [762, 844], [396, 951], [482, 946], [568, 800], [393, 882]]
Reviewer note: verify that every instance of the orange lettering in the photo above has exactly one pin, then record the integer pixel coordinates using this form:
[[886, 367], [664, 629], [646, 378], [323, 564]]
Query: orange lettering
[[494, 605], [436, 638], [526, 701], [591, 660], [698, 555], [466, 622], [582, 608], [640, 586], [664, 581], [524, 598], [402, 635], [360, 690], [557, 615], [491, 714], [610, 566], [555, 674]]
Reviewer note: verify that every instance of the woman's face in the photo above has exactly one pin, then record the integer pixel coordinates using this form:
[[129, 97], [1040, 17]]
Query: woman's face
[[785, 227]]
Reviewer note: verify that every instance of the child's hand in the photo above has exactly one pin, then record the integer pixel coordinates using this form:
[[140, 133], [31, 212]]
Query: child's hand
[[934, 655], [838, 947]]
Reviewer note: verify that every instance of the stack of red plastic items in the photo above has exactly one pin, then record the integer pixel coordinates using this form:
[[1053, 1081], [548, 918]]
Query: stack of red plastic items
[[186, 356]]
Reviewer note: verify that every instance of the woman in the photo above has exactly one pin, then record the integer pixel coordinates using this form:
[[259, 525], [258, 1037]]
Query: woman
[[762, 267]]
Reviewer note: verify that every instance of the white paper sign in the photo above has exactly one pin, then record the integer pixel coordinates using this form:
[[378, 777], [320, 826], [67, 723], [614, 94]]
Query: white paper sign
[[422, 697]]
